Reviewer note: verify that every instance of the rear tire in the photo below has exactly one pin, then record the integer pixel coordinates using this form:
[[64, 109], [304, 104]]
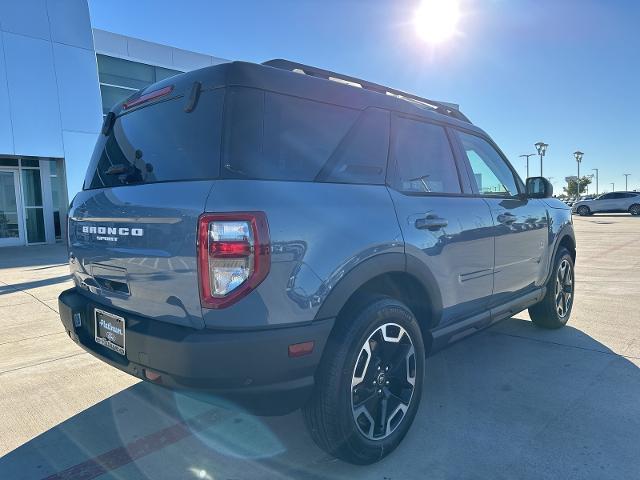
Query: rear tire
[[583, 210], [634, 209], [555, 308], [369, 382]]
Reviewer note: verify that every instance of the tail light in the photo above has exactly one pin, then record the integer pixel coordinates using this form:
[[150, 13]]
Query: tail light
[[233, 256]]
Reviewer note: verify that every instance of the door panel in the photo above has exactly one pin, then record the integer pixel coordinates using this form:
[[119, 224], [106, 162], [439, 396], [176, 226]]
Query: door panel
[[603, 203], [521, 225], [444, 231], [458, 254], [521, 240], [11, 230]]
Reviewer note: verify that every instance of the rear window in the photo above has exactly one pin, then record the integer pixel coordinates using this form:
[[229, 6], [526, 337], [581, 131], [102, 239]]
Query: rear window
[[270, 136], [160, 142], [423, 158]]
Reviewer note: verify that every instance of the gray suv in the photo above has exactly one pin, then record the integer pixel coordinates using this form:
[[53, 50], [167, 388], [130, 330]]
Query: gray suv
[[614, 202], [285, 237]]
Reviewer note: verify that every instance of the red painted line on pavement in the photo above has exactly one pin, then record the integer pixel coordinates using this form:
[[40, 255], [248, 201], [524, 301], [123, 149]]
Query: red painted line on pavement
[[132, 451]]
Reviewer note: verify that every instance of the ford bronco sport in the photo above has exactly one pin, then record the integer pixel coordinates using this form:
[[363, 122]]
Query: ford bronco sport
[[292, 237]]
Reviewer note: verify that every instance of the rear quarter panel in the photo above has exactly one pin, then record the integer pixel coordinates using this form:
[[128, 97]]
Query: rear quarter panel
[[318, 231]]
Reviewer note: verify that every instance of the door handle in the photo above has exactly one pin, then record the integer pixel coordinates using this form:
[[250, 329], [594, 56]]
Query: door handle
[[431, 222], [507, 218]]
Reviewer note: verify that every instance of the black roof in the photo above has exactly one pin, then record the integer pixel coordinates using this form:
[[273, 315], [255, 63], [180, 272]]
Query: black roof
[[284, 77]]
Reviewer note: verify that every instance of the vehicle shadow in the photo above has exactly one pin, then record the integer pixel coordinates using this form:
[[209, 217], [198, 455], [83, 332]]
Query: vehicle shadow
[[607, 215], [33, 256], [510, 402], [14, 287]]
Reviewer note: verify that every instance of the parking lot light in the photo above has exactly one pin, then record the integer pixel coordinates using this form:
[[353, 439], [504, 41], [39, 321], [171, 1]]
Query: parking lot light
[[527, 155], [596, 170], [626, 181], [541, 147], [578, 154]]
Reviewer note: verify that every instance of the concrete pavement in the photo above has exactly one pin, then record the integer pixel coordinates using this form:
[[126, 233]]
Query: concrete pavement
[[510, 402]]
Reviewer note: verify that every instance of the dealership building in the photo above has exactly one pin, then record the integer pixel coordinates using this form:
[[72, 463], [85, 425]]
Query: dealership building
[[58, 78]]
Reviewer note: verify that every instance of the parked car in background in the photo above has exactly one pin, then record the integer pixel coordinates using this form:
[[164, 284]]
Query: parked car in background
[[614, 202]]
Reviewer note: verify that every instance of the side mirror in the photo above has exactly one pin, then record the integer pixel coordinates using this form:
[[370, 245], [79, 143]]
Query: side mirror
[[539, 187]]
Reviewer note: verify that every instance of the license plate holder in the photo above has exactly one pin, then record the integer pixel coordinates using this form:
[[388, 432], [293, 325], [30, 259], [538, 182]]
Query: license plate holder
[[110, 331]]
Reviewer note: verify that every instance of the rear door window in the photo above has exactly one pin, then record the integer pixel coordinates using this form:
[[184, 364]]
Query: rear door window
[[270, 136], [423, 158], [160, 142]]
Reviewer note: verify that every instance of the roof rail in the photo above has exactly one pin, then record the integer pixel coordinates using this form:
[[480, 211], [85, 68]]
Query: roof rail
[[445, 108]]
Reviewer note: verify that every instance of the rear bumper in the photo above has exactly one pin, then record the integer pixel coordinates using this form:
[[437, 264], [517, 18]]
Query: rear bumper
[[252, 368]]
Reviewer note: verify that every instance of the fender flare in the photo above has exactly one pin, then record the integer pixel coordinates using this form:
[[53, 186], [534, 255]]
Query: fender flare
[[565, 231], [374, 267]]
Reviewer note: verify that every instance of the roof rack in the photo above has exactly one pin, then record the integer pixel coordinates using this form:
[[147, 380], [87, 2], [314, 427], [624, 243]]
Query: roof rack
[[449, 109]]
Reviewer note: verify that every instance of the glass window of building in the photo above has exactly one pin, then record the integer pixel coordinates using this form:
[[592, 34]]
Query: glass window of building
[[120, 78]]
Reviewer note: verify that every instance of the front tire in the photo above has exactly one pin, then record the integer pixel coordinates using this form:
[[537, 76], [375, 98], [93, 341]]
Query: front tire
[[555, 308], [369, 383], [634, 209], [583, 211]]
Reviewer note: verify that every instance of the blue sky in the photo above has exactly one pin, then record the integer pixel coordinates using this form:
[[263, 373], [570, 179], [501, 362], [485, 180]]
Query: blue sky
[[566, 72]]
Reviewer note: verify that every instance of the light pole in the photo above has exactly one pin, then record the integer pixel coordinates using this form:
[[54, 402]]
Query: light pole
[[587, 186], [578, 154], [596, 170], [626, 181], [541, 147], [613, 187], [527, 157]]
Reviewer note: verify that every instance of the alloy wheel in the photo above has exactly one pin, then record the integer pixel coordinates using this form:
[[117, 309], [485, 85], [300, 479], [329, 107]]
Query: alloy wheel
[[635, 210], [583, 210], [564, 288], [383, 381]]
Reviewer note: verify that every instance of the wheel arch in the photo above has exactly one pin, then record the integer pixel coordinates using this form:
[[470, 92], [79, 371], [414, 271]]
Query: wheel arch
[[565, 239], [394, 275], [568, 242]]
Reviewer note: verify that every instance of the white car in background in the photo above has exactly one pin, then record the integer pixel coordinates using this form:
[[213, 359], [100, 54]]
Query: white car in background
[[614, 202]]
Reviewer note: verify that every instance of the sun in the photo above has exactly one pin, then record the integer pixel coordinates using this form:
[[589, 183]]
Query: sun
[[437, 20]]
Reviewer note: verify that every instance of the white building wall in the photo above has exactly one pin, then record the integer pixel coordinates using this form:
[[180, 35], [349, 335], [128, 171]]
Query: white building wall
[[49, 95], [136, 50]]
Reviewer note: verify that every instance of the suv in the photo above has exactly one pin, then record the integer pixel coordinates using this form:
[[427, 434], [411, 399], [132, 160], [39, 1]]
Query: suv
[[288, 237], [614, 202]]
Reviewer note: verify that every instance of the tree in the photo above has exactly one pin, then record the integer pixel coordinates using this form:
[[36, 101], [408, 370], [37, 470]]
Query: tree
[[570, 189]]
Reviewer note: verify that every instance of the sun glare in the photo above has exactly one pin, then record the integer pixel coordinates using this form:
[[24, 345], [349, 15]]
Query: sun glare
[[437, 20]]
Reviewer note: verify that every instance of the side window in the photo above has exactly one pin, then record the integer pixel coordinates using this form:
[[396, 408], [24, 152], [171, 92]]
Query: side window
[[423, 158], [606, 196], [491, 173], [361, 156], [270, 136]]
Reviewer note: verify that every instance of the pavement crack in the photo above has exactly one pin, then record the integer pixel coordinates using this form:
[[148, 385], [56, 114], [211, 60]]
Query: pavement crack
[[42, 363], [32, 338]]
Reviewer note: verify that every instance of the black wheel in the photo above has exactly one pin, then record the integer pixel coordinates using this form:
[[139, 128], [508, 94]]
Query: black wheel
[[634, 209], [369, 383], [583, 210], [555, 308]]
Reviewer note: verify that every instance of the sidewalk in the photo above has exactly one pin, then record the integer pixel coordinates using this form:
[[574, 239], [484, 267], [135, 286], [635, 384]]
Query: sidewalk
[[39, 365]]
